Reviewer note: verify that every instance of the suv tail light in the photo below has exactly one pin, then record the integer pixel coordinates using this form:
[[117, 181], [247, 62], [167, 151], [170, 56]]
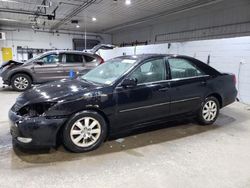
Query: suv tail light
[[102, 61], [234, 79]]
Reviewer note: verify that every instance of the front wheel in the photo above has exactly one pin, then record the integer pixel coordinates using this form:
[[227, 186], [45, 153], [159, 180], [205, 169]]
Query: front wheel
[[84, 132], [21, 82], [209, 111]]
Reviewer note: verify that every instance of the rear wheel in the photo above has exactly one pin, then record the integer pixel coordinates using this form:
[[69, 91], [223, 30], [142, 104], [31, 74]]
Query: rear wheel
[[21, 82], [84, 132], [209, 111]]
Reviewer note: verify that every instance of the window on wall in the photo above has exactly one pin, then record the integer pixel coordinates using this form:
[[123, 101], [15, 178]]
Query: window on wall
[[150, 71], [79, 44], [182, 68]]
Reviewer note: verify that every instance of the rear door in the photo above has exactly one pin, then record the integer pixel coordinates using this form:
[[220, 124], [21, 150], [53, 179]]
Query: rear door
[[188, 86], [73, 62], [51, 69]]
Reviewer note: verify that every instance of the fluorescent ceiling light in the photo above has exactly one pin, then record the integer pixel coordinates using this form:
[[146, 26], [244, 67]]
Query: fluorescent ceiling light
[[17, 2], [128, 2], [43, 6], [9, 20], [9, 1]]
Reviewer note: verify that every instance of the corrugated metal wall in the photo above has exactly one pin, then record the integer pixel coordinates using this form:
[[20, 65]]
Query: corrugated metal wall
[[229, 18]]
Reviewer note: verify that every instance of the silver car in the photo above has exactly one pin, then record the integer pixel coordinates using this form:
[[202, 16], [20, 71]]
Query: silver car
[[49, 66]]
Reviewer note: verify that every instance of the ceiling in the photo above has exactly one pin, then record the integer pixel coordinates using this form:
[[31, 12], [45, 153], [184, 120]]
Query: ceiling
[[111, 15]]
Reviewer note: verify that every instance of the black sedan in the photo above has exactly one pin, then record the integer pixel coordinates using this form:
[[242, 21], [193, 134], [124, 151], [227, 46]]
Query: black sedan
[[122, 94]]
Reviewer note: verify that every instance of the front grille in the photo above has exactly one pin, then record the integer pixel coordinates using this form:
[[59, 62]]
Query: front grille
[[14, 131]]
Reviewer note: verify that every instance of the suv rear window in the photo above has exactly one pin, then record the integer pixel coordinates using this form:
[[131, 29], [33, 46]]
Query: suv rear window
[[89, 58], [74, 58]]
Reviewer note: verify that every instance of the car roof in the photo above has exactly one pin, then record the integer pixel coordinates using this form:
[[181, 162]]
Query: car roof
[[68, 51], [141, 57]]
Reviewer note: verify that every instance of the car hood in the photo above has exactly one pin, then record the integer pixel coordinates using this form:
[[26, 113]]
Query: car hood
[[62, 90]]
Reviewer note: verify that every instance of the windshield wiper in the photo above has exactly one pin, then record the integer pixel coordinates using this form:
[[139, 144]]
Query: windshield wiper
[[88, 81]]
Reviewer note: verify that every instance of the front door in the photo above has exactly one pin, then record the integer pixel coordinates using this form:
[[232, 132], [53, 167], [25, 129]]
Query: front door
[[51, 68], [148, 100], [188, 86]]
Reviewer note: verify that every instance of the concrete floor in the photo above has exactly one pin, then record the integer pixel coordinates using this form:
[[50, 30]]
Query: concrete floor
[[184, 155]]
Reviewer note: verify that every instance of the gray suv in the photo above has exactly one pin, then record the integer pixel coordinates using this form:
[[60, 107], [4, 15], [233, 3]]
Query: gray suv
[[47, 67]]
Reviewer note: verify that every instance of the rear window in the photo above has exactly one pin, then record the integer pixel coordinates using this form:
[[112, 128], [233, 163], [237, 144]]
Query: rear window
[[74, 58], [182, 68], [89, 58]]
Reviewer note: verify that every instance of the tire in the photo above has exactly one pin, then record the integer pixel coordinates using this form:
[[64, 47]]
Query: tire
[[84, 132], [21, 82], [209, 111]]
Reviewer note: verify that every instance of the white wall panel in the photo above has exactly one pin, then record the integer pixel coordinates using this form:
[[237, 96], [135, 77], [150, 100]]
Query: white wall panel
[[116, 52], [30, 39]]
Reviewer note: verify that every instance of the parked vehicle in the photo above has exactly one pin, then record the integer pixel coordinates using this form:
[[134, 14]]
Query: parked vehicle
[[49, 66], [122, 94]]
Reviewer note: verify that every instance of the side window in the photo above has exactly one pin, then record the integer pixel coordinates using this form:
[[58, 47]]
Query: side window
[[182, 68], [150, 71], [52, 59], [74, 58]]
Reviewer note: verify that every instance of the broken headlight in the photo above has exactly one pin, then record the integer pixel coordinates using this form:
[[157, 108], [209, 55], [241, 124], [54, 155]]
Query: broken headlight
[[35, 110]]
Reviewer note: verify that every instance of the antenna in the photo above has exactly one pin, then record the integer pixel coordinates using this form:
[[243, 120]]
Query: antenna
[[85, 33]]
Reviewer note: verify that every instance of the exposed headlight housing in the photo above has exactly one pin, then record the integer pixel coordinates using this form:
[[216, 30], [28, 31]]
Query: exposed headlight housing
[[35, 110]]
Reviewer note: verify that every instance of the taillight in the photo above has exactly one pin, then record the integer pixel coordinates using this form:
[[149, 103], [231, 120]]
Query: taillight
[[234, 79], [102, 61]]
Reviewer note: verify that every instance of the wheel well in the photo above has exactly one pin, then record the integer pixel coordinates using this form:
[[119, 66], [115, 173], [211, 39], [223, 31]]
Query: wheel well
[[101, 113], [21, 73], [59, 132], [218, 97]]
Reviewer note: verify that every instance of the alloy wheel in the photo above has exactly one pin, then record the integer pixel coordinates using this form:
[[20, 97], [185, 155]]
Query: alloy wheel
[[85, 132], [209, 111], [21, 83]]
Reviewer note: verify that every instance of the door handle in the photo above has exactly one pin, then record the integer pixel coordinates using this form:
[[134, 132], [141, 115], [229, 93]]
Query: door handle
[[203, 83], [164, 89]]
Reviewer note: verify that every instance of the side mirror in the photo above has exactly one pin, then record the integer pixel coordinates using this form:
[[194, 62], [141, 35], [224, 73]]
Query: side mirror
[[39, 62], [129, 82]]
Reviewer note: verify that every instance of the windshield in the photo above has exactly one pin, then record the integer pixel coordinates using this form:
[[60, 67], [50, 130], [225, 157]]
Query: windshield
[[109, 71]]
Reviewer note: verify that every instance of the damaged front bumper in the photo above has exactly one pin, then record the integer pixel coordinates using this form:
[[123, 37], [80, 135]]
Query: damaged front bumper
[[36, 131], [3, 81]]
